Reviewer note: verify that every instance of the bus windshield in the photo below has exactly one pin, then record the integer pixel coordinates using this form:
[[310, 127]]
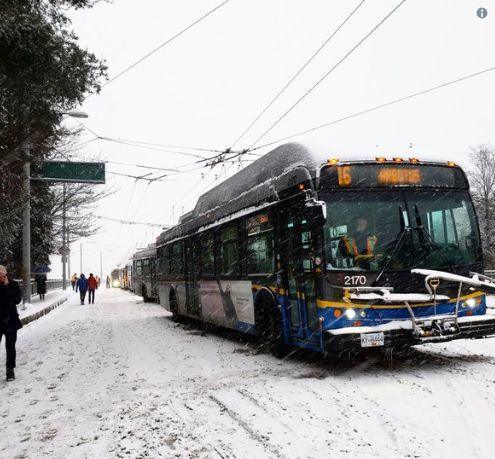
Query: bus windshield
[[399, 230]]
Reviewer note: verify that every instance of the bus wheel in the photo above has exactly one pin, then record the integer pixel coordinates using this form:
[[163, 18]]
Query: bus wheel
[[269, 322], [174, 306]]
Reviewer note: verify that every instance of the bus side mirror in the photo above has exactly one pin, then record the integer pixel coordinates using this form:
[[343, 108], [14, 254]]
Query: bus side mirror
[[318, 207]]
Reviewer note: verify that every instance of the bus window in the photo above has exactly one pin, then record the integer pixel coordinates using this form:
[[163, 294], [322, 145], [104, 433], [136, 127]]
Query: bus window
[[139, 268], [176, 261], [229, 251], [260, 254], [260, 245], [437, 229], [164, 257], [146, 266], [207, 255]]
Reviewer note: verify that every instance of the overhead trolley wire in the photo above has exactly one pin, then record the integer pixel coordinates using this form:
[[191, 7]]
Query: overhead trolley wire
[[166, 42], [308, 61], [356, 46], [210, 150], [377, 107], [150, 145], [183, 153], [130, 222]]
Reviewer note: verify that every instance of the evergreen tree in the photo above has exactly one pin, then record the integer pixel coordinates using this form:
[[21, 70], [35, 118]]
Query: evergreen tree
[[43, 73]]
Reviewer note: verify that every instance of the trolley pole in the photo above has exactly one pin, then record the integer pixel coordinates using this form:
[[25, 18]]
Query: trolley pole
[[26, 228]]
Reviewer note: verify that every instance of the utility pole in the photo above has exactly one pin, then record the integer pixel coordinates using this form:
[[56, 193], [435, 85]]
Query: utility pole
[[80, 258], [68, 250], [64, 242], [26, 227]]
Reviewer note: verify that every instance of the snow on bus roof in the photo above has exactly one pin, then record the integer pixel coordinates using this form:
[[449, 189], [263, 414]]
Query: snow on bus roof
[[261, 181], [149, 251]]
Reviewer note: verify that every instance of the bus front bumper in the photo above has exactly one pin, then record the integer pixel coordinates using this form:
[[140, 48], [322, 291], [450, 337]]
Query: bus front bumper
[[396, 334]]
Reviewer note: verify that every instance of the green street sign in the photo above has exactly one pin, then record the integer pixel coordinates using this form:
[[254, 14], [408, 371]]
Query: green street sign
[[69, 171]]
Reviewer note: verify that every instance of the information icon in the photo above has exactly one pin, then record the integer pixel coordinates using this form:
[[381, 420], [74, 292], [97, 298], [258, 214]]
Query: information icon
[[482, 13]]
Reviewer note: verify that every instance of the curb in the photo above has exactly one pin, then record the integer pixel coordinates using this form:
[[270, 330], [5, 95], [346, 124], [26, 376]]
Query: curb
[[27, 319]]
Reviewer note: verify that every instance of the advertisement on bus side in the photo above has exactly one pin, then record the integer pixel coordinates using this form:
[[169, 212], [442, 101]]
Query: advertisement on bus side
[[227, 302]]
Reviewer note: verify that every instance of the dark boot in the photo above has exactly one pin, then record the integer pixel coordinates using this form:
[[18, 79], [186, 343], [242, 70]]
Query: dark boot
[[10, 374]]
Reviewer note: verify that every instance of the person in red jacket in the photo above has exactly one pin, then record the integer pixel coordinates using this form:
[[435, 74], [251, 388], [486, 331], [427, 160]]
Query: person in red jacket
[[92, 286]]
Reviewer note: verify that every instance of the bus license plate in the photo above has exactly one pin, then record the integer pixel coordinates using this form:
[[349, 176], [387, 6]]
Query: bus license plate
[[372, 339]]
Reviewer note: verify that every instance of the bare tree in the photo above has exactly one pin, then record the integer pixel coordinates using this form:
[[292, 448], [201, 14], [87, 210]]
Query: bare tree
[[482, 181], [79, 200]]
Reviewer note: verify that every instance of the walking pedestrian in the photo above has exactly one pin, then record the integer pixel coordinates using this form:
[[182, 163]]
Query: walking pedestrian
[[73, 281], [92, 286], [108, 281], [40, 280], [10, 297], [82, 286]]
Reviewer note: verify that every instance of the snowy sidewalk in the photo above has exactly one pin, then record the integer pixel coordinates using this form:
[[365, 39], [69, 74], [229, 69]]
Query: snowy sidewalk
[[38, 308]]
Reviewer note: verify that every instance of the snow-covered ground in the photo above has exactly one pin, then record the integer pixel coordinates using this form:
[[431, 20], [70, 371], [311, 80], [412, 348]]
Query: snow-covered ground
[[52, 296], [120, 379]]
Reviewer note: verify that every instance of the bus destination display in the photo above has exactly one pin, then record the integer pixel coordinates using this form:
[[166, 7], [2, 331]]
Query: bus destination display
[[387, 175]]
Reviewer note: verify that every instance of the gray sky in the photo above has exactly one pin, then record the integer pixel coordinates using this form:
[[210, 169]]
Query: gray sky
[[205, 88]]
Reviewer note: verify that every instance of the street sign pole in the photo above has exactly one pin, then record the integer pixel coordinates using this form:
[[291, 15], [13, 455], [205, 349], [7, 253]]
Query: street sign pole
[[64, 242], [26, 228]]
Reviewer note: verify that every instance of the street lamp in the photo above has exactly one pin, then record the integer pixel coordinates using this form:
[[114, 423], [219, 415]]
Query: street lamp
[[26, 220], [76, 114], [65, 243]]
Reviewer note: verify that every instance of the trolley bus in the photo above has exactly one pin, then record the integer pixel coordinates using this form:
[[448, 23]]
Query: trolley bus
[[331, 254], [144, 273]]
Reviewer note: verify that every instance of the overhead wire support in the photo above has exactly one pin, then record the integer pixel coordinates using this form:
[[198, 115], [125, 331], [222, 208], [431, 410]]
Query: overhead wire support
[[299, 71], [136, 177], [378, 107], [166, 42], [339, 62]]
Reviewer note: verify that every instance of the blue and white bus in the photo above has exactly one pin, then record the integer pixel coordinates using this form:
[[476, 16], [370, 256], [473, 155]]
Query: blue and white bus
[[331, 254]]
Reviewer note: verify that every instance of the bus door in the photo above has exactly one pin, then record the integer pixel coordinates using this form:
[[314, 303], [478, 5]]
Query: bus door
[[191, 275], [297, 252], [153, 279]]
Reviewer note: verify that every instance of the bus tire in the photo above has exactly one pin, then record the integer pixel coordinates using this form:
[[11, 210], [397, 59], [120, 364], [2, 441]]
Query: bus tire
[[174, 306], [269, 322]]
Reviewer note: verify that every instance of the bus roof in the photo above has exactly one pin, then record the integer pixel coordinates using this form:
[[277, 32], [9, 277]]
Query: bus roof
[[148, 252], [259, 183]]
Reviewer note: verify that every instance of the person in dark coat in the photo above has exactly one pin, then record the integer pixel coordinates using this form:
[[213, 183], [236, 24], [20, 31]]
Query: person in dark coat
[[10, 297], [40, 280], [82, 286]]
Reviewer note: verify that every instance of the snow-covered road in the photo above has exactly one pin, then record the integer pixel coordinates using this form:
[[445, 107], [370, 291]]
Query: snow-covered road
[[120, 379]]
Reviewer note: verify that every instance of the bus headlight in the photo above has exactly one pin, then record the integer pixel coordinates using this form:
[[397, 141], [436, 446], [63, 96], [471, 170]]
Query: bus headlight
[[350, 314], [116, 283], [471, 303]]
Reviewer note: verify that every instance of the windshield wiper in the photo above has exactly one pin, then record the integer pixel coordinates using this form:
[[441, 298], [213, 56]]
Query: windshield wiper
[[405, 230], [427, 239]]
